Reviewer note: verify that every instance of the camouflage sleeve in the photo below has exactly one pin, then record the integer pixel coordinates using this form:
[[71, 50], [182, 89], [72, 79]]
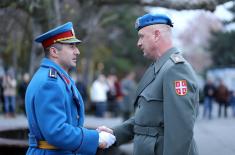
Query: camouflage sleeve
[[180, 93]]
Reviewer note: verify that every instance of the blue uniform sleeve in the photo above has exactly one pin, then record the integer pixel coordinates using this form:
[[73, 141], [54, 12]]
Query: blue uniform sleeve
[[52, 119]]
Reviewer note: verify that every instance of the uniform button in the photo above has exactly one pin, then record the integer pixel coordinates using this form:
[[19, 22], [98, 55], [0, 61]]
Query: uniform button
[[78, 116], [139, 106]]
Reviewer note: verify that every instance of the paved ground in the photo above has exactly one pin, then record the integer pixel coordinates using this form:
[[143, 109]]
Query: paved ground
[[214, 137]]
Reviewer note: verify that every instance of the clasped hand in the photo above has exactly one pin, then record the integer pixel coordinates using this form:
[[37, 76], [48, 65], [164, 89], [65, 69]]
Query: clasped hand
[[106, 138]]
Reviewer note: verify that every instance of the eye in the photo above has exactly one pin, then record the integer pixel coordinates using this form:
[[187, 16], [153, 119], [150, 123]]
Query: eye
[[72, 46]]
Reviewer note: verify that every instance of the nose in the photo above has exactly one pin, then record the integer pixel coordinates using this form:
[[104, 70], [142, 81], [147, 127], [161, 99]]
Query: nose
[[138, 44], [76, 51]]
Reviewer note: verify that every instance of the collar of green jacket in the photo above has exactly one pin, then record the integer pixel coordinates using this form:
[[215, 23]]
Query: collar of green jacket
[[160, 62]]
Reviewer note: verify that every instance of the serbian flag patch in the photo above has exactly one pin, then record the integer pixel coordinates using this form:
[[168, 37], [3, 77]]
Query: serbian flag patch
[[181, 87]]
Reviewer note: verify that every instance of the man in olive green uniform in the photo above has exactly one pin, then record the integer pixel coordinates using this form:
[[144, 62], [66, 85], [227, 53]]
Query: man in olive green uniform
[[166, 100]]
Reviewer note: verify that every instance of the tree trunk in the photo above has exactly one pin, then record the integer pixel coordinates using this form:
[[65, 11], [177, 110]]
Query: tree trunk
[[35, 30], [57, 12]]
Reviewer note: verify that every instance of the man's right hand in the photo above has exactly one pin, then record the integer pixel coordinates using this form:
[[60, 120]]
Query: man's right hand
[[106, 139], [104, 128]]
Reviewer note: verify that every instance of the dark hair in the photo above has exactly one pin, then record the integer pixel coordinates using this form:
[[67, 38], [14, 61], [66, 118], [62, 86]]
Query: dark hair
[[58, 46]]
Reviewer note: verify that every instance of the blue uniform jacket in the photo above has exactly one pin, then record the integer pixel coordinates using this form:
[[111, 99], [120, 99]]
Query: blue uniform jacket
[[55, 113]]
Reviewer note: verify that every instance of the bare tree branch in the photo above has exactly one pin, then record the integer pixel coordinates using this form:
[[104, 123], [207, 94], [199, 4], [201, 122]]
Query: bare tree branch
[[183, 5]]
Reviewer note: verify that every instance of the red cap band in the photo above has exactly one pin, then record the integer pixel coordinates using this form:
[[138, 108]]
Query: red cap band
[[59, 37]]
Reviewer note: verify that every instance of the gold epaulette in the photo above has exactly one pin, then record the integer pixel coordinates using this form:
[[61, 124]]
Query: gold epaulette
[[177, 58]]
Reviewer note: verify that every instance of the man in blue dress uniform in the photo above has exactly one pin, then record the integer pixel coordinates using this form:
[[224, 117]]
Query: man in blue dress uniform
[[54, 107]]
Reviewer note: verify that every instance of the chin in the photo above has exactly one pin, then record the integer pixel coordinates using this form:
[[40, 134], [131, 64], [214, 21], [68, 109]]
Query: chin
[[73, 65], [148, 57]]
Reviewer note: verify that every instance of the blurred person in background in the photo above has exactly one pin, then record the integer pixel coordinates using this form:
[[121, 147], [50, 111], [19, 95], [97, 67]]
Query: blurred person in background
[[128, 86], [222, 97], [118, 98], [232, 102], [9, 93], [112, 94], [2, 73], [81, 88], [22, 90], [1, 95], [209, 93], [98, 95]]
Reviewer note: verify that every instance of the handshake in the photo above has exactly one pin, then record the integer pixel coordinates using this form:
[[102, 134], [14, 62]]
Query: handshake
[[106, 137]]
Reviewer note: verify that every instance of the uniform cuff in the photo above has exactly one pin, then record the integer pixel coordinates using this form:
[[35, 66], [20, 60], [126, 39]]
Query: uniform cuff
[[89, 143]]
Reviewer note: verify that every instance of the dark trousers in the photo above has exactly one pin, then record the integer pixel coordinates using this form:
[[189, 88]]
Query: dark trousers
[[207, 107], [9, 104], [225, 105], [233, 108], [100, 109]]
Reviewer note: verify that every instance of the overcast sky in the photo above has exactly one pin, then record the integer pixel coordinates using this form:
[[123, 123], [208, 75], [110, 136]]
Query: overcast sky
[[182, 18]]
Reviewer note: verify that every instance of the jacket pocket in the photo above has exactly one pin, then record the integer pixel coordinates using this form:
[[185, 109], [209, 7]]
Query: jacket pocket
[[149, 112]]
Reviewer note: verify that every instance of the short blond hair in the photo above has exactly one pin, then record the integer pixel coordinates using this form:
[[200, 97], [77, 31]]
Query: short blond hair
[[165, 30]]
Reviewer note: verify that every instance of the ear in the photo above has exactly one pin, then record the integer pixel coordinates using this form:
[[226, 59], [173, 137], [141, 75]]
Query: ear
[[157, 34], [53, 52]]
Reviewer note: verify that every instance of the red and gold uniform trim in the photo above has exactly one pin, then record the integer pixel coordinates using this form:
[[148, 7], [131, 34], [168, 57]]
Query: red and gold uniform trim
[[59, 37]]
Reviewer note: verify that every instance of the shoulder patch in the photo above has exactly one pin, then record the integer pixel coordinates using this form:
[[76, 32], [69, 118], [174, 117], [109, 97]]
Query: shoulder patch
[[181, 87], [52, 73], [177, 58]]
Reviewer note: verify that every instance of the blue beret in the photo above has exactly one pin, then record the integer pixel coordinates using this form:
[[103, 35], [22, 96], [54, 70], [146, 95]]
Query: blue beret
[[150, 19], [61, 34]]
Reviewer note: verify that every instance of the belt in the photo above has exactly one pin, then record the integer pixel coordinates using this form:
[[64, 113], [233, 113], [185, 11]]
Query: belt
[[148, 131], [46, 145], [42, 144]]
